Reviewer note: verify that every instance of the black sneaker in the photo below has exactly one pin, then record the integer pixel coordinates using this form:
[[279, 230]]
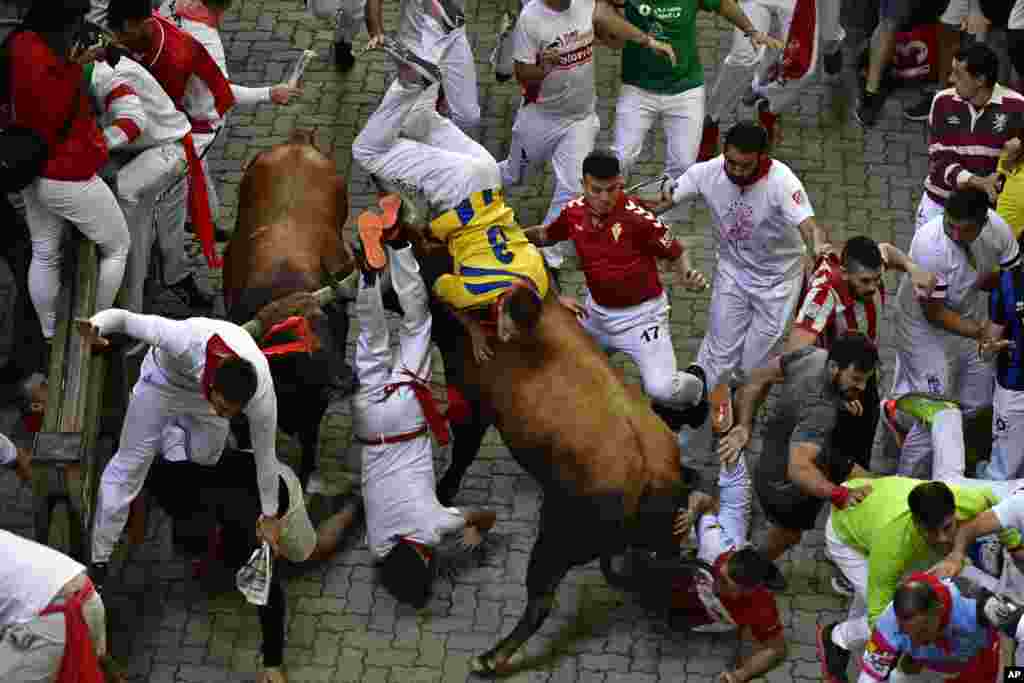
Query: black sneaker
[[922, 110], [411, 68], [98, 575], [869, 109], [833, 63], [834, 659], [343, 58], [191, 295]]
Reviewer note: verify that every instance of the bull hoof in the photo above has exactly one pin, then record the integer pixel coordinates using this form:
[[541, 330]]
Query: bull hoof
[[490, 664]]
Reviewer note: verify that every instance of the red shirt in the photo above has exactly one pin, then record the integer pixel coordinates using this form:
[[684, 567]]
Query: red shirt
[[755, 609], [43, 92], [619, 254], [828, 308], [175, 56]]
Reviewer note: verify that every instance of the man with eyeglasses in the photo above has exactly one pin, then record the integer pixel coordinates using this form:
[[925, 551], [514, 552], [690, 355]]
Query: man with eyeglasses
[[935, 337]]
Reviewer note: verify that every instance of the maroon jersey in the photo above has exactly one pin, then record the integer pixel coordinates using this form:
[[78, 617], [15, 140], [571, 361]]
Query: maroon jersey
[[619, 254], [829, 310]]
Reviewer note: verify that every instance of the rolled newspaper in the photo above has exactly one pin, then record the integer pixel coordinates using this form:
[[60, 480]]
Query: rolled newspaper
[[300, 67]]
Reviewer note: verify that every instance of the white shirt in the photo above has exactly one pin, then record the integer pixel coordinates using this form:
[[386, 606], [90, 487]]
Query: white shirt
[[760, 244], [31, 576], [419, 30], [8, 451], [568, 91], [130, 93], [400, 498], [198, 99], [936, 253], [178, 348]]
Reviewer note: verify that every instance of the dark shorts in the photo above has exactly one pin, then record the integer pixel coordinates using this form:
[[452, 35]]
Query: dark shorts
[[789, 510], [909, 13]]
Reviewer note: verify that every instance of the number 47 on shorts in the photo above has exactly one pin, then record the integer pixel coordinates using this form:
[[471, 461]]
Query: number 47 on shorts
[[650, 334]]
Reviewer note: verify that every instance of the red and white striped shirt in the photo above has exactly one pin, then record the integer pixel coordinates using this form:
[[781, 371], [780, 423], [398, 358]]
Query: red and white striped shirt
[[964, 141], [829, 310], [135, 112]]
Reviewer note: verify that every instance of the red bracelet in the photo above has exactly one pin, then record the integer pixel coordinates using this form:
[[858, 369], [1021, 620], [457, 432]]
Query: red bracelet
[[839, 496]]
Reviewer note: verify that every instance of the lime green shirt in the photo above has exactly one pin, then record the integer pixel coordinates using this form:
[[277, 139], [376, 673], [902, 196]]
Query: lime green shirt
[[882, 528], [673, 22]]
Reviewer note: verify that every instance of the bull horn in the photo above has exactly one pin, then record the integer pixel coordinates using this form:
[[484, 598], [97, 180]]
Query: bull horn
[[345, 289]]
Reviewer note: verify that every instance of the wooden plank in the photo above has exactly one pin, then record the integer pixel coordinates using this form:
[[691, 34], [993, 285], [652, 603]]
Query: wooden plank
[[79, 357]]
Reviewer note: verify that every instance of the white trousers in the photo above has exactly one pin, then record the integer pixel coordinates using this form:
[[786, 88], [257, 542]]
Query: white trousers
[[746, 66], [642, 333], [1007, 435], [32, 652], [927, 209], [377, 365], [854, 566], [139, 184], [161, 418], [93, 209], [682, 116], [454, 57], [349, 16], [930, 365], [744, 325], [729, 528], [538, 137], [406, 142]]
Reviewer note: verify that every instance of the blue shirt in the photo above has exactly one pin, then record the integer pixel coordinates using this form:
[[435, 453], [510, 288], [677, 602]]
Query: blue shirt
[[962, 640], [1006, 306]]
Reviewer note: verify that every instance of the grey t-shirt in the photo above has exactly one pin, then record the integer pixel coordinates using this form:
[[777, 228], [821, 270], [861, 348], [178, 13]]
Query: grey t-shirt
[[806, 412]]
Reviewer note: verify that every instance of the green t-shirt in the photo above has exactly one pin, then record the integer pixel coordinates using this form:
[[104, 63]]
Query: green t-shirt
[[882, 528], [673, 22]]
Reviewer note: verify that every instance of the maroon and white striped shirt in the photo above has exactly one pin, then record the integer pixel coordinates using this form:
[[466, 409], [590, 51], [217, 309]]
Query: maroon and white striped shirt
[[829, 310], [963, 140]]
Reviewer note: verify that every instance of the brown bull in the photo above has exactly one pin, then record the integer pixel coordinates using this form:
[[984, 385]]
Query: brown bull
[[292, 207], [609, 467]]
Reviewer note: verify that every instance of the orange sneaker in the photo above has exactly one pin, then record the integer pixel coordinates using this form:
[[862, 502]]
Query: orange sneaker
[[371, 229], [390, 205]]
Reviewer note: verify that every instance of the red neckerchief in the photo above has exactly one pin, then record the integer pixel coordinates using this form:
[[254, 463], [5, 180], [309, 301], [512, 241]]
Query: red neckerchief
[[947, 604], [176, 56], [79, 664], [217, 351], [762, 170], [299, 326], [437, 422], [195, 11]]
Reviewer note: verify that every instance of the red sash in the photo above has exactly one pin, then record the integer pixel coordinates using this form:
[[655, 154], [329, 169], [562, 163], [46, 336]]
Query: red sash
[[798, 55], [437, 422], [80, 664], [199, 203]]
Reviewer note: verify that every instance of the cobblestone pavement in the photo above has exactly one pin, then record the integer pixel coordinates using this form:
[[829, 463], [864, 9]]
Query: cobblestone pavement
[[342, 627]]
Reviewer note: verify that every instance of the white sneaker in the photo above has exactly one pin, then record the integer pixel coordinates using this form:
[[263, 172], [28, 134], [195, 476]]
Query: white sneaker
[[315, 485], [842, 586]]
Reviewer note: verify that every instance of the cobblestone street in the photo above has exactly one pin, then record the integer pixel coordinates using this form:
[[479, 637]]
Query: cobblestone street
[[166, 627]]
